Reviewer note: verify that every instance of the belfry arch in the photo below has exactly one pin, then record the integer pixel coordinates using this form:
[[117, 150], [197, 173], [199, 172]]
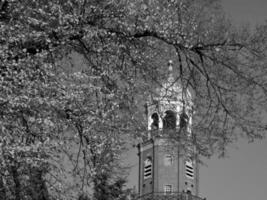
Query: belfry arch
[[170, 120]]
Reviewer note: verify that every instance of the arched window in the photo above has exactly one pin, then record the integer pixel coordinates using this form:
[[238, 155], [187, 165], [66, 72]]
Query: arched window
[[184, 119], [189, 169], [155, 124], [169, 121], [148, 168]]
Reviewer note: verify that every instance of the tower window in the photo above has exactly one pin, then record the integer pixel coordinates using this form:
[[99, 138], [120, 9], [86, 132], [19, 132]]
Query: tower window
[[168, 160], [167, 189], [169, 121], [148, 168], [155, 123], [189, 170]]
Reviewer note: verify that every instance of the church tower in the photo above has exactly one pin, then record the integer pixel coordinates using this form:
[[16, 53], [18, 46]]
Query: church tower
[[167, 156]]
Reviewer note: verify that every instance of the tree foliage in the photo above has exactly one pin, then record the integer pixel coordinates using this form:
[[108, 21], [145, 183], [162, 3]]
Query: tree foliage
[[105, 189], [75, 75]]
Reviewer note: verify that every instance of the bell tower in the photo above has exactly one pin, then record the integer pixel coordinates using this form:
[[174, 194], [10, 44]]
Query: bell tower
[[167, 156]]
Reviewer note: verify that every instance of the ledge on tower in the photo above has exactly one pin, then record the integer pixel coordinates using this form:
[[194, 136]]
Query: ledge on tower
[[169, 196]]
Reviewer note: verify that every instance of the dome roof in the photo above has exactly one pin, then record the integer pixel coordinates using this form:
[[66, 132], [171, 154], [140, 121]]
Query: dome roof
[[172, 90]]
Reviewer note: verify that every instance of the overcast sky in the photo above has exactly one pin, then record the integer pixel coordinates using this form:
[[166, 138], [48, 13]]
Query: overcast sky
[[243, 175], [246, 11]]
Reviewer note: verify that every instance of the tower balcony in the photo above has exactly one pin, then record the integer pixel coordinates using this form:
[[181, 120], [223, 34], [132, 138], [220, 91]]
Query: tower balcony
[[169, 196]]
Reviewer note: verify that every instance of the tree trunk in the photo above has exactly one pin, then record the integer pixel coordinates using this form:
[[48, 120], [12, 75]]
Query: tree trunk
[[2, 190], [15, 175]]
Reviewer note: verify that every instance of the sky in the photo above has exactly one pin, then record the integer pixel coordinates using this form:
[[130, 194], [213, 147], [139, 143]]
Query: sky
[[243, 174], [246, 11]]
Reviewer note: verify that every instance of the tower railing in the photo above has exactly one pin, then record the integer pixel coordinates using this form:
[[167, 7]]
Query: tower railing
[[169, 196]]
